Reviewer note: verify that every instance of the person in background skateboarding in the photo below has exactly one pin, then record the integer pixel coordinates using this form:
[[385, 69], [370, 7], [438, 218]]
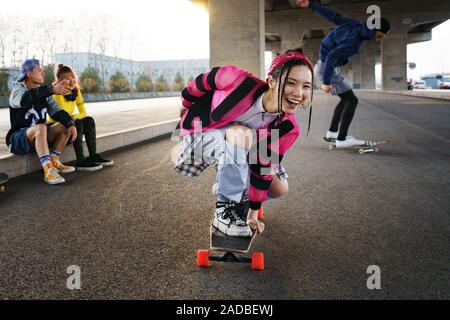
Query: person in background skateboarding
[[30, 101], [85, 124], [232, 104], [336, 50]]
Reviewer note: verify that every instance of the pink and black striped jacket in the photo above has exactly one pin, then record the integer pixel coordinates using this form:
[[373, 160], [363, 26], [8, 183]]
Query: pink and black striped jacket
[[221, 95]]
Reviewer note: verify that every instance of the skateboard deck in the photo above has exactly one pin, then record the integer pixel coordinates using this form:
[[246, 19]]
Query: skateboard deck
[[221, 242], [369, 146], [230, 247], [3, 179]]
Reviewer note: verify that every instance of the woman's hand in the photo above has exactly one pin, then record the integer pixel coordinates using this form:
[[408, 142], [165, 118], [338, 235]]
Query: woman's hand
[[253, 222], [73, 133], [183, 110], [60, 89]]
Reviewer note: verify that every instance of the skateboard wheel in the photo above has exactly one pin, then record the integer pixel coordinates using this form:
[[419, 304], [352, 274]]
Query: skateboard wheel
[[261, 214], [258, 261], [331, 147], [203, 258], [361, 151], [2, 188]]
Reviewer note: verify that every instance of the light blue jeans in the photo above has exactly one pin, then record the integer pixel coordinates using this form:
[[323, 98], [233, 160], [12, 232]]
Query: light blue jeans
[[198, 151], [338, 81]]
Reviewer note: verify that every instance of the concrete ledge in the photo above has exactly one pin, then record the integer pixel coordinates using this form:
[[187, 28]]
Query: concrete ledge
[[435, 94], [19, 165], [100, 97]]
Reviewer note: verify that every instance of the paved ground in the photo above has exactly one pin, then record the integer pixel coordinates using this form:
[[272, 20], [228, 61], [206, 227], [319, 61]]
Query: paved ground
[[115, 115], [134, 228]]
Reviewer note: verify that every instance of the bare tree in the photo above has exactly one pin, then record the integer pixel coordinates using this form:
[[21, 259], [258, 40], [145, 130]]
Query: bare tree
[[117, 42], [45, 39], [4, 35], [103, 31], [16, 44], [27, 37], [55, 32]]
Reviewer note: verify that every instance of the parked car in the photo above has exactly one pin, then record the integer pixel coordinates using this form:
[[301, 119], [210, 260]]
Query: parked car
[[420, 84], [444, 85]]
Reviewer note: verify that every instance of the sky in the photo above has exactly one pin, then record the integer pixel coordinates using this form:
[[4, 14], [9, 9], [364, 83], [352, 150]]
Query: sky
[[177, 29], [431, 56], [157, 29]]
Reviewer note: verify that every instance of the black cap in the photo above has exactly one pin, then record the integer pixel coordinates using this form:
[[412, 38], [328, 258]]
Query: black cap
[[385, 27]]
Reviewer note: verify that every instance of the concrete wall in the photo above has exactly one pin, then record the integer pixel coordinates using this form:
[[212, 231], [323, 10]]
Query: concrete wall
[[237, 34], [16, 165], [394, 63], [97, 97]]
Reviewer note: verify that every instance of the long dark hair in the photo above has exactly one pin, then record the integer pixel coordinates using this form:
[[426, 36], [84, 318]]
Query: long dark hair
[[286, 68]]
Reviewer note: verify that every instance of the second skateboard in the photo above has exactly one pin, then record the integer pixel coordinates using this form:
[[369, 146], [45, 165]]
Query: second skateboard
[[367, 147]]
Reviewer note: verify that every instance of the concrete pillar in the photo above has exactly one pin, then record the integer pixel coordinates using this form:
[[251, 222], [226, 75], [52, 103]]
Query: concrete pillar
[[311, 48], [274, 47], [290, 32], [363, 66], [289, 41], [393, 60], [347, 71], [369, 53], [356, 71], [237, 34]]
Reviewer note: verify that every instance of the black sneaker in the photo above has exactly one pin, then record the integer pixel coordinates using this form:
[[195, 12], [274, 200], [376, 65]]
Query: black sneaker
[[88, 165], [99, 160]]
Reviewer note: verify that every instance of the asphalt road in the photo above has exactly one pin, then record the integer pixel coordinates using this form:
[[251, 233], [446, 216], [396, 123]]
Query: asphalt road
[[134, 229]]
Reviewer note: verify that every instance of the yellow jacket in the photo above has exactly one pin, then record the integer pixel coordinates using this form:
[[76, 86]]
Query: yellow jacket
[[69, 107]]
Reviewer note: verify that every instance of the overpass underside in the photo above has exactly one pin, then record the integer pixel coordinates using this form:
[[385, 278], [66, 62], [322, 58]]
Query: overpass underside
[[241, 31]]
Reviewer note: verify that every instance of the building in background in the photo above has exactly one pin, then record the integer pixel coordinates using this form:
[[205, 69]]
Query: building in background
[[107, 66], [168, 68], [434, 80]]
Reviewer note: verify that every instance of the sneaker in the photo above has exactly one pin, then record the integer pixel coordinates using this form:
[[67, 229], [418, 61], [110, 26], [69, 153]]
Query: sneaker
[[228, 221], [349, 142], [99, 160], [88, 165], [51, 175], [332, 135], [61, 167]]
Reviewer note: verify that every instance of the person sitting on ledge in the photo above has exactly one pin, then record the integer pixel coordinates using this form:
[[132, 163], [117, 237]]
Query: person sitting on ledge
[[30, 101], [85, 124]]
